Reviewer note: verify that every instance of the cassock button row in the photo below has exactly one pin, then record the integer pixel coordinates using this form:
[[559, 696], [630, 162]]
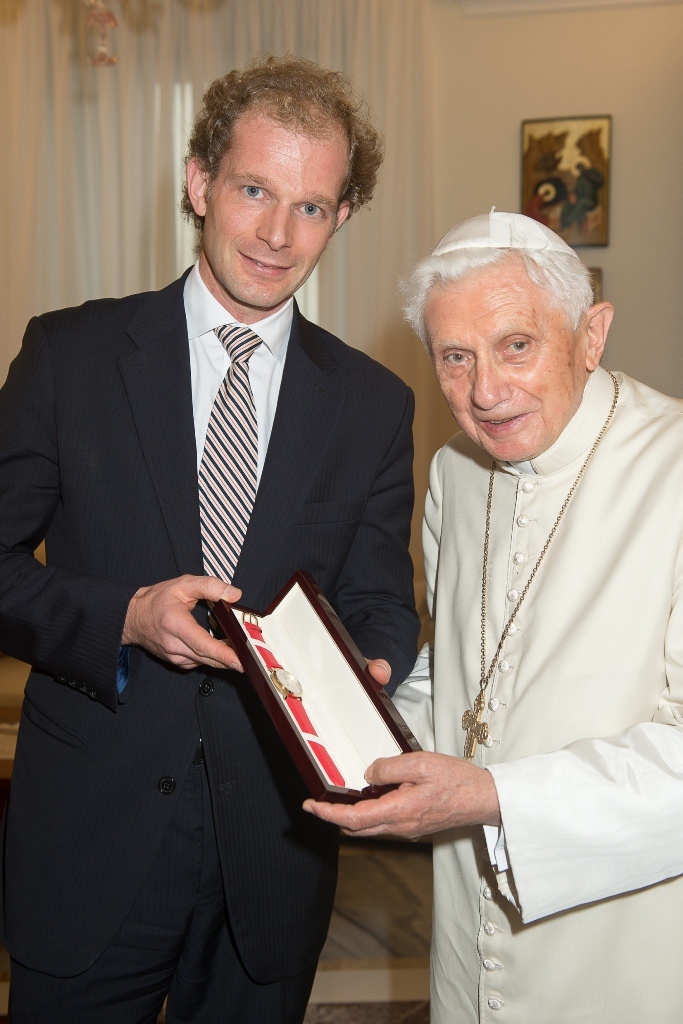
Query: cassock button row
[[518, 557], [528, 487], [494, 704], [495, 1004], [504, 666], [491, 965], [490, 928], [513, 594], [488, 742], [166, 785], [513, 629], [522, 521], [487, 894]]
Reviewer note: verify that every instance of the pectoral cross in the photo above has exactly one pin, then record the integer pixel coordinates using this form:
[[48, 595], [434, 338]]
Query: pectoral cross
[[477, 731]]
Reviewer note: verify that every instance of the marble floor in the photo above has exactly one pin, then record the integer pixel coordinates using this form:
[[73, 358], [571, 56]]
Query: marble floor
[[368, 1013], [383, 902], [374, 968]]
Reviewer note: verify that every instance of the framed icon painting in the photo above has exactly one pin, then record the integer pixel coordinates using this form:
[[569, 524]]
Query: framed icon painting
[[565, 176]]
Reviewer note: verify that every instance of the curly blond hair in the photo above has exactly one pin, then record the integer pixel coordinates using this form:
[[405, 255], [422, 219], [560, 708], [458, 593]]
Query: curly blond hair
[[299, 94]]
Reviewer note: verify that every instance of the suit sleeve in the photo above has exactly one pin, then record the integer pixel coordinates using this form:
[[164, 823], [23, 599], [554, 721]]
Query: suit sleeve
[[64, 623], [375, 594]]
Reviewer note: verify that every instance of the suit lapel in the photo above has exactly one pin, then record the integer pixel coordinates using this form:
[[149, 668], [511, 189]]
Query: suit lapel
[[157, 379], [310, 400]]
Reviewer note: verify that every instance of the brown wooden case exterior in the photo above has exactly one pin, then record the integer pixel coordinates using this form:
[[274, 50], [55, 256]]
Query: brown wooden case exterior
[[304, 760]]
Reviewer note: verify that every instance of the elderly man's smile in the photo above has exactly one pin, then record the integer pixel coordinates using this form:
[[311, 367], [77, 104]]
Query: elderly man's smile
[[493, 424]]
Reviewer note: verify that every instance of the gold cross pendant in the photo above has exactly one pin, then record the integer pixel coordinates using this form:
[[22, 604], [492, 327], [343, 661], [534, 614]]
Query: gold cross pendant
[[477, 731]]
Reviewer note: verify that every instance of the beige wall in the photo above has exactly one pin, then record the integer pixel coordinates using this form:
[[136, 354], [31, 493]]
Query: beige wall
[[492, 72]]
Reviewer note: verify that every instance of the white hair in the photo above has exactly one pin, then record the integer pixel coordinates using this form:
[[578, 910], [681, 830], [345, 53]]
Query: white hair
[[561, 274]]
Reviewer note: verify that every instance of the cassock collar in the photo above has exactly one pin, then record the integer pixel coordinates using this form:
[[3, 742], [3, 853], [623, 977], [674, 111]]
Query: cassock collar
[[580, 432]]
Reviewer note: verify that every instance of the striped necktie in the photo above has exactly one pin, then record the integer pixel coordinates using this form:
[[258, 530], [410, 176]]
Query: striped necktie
[[227, 472]]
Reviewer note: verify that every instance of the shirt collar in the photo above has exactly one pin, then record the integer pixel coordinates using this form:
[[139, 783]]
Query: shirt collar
[[522, 467], [580, 432], [204, 313]]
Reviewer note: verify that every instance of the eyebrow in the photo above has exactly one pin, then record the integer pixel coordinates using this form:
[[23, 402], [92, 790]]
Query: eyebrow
[[513, 327], [505, 330], [513, 324], [257, 179]]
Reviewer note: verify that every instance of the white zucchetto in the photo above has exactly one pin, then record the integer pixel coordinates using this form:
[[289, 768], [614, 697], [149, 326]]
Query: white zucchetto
[[501, 231]]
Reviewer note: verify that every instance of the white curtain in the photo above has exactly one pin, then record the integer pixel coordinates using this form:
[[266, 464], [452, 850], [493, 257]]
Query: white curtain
[[92, 160]]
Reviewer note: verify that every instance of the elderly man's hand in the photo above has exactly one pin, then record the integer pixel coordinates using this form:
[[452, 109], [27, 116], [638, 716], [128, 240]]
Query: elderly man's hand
[[160, 619], [436, 792]]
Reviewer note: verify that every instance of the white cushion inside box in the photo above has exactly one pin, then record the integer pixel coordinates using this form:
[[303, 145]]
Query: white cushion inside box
[[347, 722]]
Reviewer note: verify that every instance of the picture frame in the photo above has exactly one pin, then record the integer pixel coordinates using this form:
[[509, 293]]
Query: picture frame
[[566, 166]]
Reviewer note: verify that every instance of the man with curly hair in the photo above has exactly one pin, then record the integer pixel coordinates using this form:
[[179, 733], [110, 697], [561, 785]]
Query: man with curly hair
[[176, 448]]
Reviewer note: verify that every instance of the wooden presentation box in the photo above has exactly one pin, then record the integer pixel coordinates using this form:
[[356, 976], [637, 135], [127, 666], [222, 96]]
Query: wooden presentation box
[[334, 719]]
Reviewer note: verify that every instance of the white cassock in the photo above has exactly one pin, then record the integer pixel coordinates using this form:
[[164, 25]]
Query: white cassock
[[585, 714]]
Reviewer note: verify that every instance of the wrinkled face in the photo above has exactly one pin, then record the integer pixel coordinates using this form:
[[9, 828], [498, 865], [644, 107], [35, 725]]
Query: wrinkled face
[[269, 213], [512, 370]]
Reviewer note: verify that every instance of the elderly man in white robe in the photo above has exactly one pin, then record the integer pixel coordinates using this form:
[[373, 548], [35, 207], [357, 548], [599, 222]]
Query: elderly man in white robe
[[552, 712]]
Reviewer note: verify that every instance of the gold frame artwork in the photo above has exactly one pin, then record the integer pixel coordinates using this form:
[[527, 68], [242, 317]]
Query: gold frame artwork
[[566, 176]]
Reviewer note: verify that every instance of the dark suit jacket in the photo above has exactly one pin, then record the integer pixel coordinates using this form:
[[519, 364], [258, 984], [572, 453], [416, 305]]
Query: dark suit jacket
[[97, 454]]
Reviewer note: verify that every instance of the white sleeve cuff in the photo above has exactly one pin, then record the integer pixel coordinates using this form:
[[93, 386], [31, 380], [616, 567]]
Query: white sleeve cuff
[[495, 843], [598, 818]]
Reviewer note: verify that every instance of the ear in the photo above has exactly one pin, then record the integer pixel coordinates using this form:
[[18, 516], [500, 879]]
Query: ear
[[197, 185], [599, 318], [343, 214]]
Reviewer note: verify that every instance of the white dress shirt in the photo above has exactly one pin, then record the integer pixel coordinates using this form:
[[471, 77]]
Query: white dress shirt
[[209, 362]]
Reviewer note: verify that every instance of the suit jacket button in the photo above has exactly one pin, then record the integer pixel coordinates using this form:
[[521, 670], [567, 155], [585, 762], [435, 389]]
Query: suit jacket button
[[61, 679], [166, 785], [83, 688], [206, 687], [71, 682]]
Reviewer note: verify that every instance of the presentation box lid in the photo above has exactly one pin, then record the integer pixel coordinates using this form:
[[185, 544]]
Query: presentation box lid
[[342, 719]]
